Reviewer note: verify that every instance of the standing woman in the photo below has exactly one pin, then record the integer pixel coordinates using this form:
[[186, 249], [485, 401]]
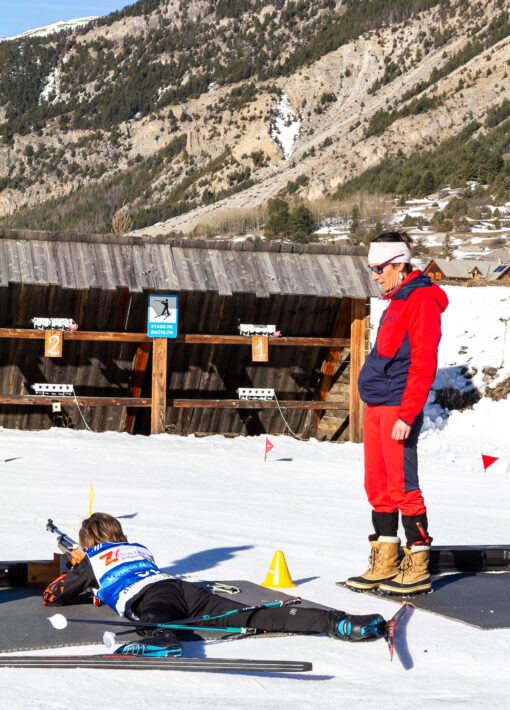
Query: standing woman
[[394, 383]]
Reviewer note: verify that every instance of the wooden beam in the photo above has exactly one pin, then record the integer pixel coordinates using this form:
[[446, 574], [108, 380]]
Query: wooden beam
[[255, 404], [33, 400], [190, 338], [159, 367], [358, 314], [39, 399], [25, 333]]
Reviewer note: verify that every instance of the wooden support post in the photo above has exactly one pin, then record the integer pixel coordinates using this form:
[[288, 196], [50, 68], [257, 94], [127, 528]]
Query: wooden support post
[[341, 325], [139, 367], [159, 365], [358, 313]]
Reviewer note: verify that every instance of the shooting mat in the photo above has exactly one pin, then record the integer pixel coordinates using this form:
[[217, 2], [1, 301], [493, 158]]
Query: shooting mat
[[480, 599], [24, 621]]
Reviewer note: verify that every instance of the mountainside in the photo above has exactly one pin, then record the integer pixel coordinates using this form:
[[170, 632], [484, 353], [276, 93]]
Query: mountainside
[[176, 111]]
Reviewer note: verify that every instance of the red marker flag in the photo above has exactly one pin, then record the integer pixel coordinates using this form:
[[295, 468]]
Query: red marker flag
[[269, 446], [488, 461]]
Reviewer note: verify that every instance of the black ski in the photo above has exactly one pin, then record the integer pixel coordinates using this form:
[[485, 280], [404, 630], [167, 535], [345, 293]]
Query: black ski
[[225, 665], [391, 626]]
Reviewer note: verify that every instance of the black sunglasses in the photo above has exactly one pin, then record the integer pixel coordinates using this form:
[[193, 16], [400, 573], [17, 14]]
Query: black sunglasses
[[378, 268]]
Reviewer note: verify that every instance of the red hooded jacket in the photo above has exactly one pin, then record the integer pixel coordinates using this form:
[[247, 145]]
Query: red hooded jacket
[[402, 366]]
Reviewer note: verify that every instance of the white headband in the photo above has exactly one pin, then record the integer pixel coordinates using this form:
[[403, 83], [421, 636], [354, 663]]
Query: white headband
[[381, 252]]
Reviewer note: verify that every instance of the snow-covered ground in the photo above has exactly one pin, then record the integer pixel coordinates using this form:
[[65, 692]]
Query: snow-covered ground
[[486, 233], [476, 331], [210, 508]]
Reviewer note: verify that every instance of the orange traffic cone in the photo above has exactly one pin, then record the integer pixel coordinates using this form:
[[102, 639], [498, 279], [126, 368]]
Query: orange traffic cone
[[278, 575]]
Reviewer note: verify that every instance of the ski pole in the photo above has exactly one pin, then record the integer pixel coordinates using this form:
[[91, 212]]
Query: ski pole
[[59, 621]]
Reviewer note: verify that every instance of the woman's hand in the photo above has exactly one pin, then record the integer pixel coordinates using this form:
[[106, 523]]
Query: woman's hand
[[401, 430]]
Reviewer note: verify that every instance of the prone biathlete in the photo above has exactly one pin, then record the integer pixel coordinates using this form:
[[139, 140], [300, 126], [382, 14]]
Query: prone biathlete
[[124, 576]]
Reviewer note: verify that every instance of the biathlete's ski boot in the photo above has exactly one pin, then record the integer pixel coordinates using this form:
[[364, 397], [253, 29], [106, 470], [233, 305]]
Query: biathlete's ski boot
[[413, 576], [350, 627], [157, 645], [383, 560]]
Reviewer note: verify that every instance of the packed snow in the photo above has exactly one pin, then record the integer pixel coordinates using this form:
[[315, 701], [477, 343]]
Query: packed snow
[[210, 508]]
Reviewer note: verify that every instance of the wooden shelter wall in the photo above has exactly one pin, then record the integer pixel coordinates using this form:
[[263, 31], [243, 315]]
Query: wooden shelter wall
[[217, 371], [105, 368]]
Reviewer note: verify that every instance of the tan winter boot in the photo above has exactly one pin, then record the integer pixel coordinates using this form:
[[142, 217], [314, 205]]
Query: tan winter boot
[[413, 576], [383, 564]]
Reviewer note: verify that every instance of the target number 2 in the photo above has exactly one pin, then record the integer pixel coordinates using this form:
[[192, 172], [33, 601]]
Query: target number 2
[[53, 340]]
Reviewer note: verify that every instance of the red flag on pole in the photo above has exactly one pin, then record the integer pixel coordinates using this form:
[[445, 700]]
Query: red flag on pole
[[488, 461], [269, 446]]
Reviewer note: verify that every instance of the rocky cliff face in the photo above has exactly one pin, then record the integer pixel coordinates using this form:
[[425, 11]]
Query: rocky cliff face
[[245, 140]]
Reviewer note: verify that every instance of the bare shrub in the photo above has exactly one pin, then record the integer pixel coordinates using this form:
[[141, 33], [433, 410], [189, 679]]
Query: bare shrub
[[370, 206], [122, 222], [237, 221]]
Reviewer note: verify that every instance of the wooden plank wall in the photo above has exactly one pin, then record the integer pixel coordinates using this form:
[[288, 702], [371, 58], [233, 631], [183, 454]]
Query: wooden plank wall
[[215, 371]]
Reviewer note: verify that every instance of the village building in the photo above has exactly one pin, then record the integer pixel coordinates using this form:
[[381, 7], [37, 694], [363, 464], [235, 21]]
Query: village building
[[463, 270]]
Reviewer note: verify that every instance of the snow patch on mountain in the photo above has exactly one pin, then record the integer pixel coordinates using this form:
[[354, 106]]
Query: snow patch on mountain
[[285, 128]]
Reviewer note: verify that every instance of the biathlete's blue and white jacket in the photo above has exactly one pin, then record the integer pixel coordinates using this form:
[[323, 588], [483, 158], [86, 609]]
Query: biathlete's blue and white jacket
[[116, 572], [122, 570]]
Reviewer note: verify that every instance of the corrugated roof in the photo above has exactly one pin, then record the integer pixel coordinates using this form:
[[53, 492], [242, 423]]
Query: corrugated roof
[[109, 262]]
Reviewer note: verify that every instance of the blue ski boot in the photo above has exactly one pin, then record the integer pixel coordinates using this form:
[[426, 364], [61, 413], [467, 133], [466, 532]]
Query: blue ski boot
[[157, 645], [350, 627]]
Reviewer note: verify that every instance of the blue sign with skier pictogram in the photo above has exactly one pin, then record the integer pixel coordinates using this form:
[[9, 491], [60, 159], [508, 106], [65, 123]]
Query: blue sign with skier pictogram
[[162, 317]]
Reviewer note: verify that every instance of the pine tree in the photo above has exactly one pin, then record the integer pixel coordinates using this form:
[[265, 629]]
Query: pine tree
[[447, 252]]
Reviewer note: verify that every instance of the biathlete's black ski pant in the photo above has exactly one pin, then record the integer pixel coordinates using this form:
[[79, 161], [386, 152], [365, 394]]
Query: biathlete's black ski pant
[[174, 599]]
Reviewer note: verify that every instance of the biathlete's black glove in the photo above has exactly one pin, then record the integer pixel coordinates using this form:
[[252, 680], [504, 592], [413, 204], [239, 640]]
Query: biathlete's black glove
[[53, 590]]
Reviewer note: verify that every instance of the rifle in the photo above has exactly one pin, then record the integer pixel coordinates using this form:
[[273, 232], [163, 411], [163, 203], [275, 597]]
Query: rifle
[[69, 547]]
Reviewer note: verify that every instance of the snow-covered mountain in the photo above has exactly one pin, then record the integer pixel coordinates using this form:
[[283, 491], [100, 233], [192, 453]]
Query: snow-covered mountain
[[180, 112], [54, 27]]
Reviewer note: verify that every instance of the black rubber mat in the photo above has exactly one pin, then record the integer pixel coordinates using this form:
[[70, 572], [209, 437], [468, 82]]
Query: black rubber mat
[[469, 558], [24, 621], [480, 599]]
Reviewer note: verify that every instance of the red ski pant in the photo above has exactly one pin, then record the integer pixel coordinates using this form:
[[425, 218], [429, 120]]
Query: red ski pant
[[391, 467]]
